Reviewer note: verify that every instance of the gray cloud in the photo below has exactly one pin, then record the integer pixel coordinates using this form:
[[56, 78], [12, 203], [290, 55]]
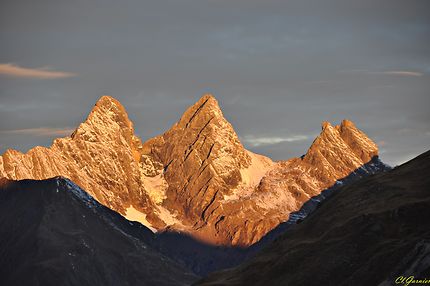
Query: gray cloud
[[275, 66], [391, 72], [403, 73], [40, 131], [13, 70], [255, 141]]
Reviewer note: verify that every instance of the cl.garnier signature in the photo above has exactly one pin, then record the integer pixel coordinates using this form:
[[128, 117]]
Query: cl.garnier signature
[[411, 280]]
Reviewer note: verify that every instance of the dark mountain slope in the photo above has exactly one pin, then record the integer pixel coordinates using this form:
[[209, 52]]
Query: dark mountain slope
[[368, 233], [53, 233]]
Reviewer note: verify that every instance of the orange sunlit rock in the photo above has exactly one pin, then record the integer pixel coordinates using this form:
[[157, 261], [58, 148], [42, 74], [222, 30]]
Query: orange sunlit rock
[[197, 177]]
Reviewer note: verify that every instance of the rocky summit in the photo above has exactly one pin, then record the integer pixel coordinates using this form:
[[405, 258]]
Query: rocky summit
[[196, 178], [374, 231]]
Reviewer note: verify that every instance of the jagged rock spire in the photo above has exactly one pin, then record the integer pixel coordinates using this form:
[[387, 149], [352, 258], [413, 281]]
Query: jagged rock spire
[[108, 120], [202, 156], [205, 108], [102, 156], [196, 177], [339, 149], [357, 140]]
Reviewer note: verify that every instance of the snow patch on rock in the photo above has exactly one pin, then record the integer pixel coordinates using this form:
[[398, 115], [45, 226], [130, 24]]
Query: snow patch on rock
[[135, 215], [155, 187], [251, 176]]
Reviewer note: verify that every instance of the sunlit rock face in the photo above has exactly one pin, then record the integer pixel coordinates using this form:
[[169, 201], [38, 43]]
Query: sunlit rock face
[[197, 177], [335, 154], [369, 232], [102, 156]]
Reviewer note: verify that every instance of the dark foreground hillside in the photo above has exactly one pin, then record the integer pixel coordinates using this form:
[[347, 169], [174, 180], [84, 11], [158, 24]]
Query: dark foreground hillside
[[369, 233], [53, 233]]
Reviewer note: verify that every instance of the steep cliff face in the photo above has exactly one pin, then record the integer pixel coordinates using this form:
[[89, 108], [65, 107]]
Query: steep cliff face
[[197, 177], [203, 161], [249, 212], [369, 233], [335, 154], [102, 156], [228, 195]]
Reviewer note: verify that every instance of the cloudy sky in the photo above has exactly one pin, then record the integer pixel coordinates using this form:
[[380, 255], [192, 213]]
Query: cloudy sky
[[278, 68]]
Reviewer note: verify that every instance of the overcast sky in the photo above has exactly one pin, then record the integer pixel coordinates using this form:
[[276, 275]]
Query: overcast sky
[[278, 68]]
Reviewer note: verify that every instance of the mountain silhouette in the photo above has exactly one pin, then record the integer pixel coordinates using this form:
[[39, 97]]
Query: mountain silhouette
[[196, 178]]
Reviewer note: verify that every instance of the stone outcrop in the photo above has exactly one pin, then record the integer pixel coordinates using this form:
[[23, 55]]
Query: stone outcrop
[[335, 154], [102, 156], [368, 233], [197, 177]]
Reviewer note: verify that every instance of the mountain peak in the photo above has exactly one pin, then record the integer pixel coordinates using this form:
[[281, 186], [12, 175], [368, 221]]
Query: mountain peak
[[208, 96], [197, 177], [106, 100], [360, 144], [204, 109], [341, 141], [107, 120], [347, 123], [325, 124], [111, 107], [202, 156]]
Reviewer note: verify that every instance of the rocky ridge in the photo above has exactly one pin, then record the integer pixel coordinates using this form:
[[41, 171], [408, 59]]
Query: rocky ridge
[[102, 156], [370, 232], [60, 235], [197, 177]]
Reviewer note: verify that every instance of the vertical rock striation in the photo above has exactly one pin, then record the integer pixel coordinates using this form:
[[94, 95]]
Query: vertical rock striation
[[102, 156], [197, 177]]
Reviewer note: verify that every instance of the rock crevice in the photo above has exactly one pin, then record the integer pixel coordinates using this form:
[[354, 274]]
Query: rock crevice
[[197, 177]]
